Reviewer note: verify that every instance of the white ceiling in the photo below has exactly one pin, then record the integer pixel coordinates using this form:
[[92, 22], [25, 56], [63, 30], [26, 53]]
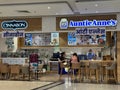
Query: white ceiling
[[11, 8]]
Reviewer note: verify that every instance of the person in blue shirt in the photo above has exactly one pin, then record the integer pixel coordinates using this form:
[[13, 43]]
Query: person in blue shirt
[[90, 55]]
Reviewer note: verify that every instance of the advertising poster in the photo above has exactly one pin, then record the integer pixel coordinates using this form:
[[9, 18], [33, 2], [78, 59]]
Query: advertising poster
[[54, 38], [42, 39], [35, 39], [90, 36], [28, 39], [71, 38]]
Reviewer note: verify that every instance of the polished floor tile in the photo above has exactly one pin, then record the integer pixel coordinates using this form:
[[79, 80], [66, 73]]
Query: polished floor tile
[[85, 86], [21, 85], [67, 85], [52, 82]]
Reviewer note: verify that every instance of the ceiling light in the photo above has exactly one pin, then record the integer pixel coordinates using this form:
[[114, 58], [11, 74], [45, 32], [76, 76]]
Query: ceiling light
[[56, 13], [49, 7], [96, 11], [96, 5]]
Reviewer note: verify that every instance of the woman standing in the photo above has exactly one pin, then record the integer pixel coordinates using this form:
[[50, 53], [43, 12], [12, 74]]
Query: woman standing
[[74, 58]]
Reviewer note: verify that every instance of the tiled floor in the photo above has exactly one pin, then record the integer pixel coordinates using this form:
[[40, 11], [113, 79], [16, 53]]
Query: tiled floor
[[85, 86], [52, 82], [21, 85], [67, 85]]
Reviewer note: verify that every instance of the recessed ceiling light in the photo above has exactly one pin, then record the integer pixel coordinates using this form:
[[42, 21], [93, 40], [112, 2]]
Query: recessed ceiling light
[[56, 13], [96, 11], [96, 5], [49, 7]]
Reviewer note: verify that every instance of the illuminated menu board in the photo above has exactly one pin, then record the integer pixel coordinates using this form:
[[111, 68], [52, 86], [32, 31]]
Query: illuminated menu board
[[41, 39], [87, 36]]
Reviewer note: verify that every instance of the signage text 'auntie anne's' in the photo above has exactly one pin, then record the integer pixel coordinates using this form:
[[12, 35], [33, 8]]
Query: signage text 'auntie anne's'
[[64, 23]]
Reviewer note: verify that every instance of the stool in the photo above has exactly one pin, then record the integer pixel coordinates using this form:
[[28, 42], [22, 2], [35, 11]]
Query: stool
[[62, 66], [111, 68], [74, 68], [84, 69], [94, 66]]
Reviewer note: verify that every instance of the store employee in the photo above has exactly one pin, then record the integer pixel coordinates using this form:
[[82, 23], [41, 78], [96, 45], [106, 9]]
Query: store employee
[[90, 55]]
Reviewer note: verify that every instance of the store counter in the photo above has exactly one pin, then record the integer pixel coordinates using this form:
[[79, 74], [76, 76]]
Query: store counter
[[12, 61]]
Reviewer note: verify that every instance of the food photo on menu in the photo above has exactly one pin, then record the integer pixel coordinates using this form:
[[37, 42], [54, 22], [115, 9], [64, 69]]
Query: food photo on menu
[[71, 38], [34, 39], [54, 38], [28, 39], [84, 36], [90, 39]]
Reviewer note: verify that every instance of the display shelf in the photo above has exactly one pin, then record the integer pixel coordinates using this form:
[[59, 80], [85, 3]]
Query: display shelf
[[63, 42], [61, 46]]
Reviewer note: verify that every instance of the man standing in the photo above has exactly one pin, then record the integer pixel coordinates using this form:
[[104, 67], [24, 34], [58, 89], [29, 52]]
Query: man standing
[[90, 55]]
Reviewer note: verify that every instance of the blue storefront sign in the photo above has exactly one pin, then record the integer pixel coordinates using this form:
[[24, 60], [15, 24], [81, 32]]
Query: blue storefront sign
[[14, 25], [64, 23], [97, 23]]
